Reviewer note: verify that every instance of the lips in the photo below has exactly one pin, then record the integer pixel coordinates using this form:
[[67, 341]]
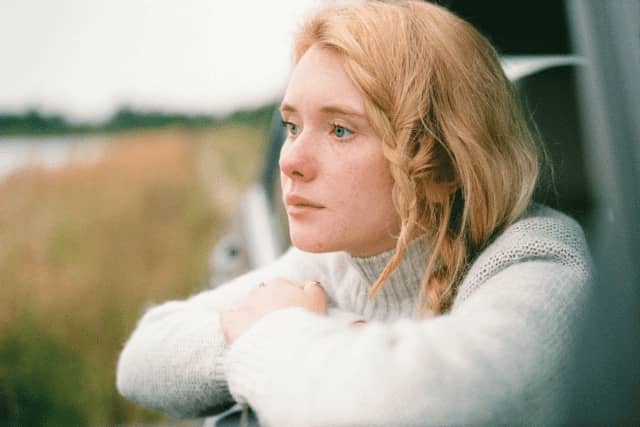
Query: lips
[[292, 200]]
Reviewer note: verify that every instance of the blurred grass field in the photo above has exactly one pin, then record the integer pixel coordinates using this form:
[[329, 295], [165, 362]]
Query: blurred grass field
[[85, 248]]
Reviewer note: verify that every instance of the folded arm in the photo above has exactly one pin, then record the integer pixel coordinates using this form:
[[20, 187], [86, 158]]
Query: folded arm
[[497, 358], [174, 360]]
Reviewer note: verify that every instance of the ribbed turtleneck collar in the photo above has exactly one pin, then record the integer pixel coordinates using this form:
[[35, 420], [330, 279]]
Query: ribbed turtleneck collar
[[400, 293]]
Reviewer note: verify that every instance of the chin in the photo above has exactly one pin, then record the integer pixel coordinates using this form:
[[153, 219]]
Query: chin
[[313, 244]]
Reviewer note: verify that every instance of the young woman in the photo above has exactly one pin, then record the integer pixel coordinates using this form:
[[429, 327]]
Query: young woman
[[424, 287]]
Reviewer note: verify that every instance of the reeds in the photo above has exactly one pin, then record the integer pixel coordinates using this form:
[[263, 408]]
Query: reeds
[[84, 249]]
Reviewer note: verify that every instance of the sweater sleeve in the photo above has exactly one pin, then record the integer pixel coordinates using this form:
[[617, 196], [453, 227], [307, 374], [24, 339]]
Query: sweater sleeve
[[499, 358], [173, 362]]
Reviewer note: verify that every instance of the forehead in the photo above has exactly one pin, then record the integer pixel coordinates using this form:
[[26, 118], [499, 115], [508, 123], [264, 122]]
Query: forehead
[[320, 79]]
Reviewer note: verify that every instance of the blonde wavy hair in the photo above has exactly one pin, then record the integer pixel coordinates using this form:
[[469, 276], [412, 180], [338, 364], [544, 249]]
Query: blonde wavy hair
[[463, 160]]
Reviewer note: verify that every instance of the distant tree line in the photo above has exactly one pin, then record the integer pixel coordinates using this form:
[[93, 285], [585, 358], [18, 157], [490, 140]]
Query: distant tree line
[[126, 118]]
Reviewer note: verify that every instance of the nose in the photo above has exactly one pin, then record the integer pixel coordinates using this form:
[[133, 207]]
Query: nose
[[296, 159]]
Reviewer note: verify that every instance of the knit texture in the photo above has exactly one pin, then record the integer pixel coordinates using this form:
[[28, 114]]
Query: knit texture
[[500, 356], [542, 234]]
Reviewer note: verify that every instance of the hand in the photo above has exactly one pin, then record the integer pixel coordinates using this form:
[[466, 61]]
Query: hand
[[274, 295]]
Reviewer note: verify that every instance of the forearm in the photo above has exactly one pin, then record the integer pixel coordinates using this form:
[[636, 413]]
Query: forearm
[[174, 362], [499, 359]]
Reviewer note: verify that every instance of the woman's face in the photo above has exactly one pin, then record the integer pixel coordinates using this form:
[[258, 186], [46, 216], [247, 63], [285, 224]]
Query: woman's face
[[336, 183]]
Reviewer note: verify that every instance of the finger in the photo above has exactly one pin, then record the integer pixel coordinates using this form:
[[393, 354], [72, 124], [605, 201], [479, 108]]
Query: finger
[[312, 286], [317, 294], [258, 288]]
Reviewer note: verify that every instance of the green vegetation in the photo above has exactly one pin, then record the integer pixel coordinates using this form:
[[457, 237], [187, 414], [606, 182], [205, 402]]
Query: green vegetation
[[34, 122], [85, 249]]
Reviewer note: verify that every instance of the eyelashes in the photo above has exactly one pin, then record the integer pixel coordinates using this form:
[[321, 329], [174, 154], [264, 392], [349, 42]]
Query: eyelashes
[[292, 128], [337, 130], [340, 132]]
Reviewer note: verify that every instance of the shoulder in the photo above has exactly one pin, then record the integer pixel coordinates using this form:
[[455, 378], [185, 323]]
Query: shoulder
[[541, 234], [299, 266]]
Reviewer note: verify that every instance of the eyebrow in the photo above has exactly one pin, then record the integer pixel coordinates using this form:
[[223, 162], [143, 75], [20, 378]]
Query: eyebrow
[[330, 109]]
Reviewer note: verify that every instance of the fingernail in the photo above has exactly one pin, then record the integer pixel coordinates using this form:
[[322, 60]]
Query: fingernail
[[315, 282]]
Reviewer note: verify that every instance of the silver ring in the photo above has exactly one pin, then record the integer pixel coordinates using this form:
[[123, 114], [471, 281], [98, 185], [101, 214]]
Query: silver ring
[[261, 284]]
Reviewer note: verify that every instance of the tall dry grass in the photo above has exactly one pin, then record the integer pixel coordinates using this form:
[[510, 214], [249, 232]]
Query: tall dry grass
[[84, 249]]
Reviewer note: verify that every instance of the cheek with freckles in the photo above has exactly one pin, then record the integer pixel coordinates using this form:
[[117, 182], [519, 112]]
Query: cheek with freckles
[[364, 219]]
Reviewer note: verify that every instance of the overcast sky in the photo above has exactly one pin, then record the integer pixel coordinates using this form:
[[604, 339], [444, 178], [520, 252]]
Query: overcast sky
[[83, 58]]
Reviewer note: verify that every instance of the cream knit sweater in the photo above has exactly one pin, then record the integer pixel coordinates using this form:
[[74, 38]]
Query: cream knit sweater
[[500, 356]]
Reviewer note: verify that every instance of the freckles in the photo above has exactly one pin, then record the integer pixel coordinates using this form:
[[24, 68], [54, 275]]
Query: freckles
[[338, 231], [354, 181]]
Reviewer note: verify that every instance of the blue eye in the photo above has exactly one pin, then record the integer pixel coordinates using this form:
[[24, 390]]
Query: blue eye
[[292, 128], [340, 131]]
